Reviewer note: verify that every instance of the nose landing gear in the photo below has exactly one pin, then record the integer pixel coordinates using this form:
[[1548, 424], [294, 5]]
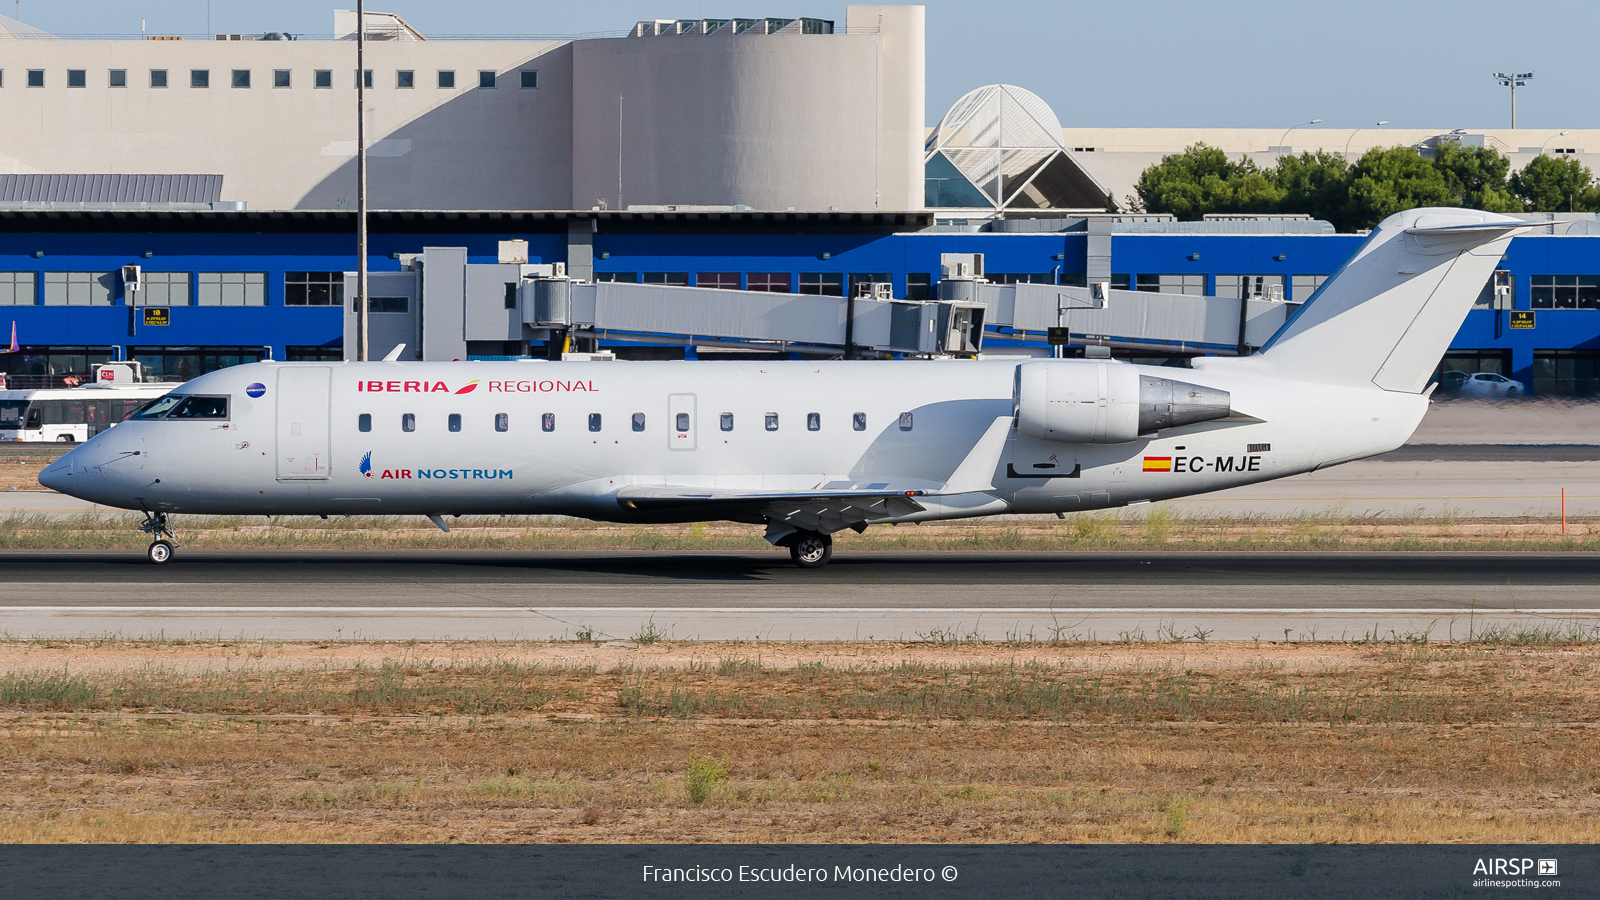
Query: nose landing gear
[[164, 542], [810, 550]]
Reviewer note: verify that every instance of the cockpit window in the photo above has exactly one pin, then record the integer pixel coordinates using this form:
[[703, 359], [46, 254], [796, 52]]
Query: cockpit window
[[201, 408], [159, 407]]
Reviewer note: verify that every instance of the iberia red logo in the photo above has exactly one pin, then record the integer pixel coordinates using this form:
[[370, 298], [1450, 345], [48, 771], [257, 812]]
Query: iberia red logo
[[469, 388]]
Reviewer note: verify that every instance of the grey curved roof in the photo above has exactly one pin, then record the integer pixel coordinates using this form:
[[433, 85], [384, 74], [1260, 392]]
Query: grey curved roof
[[110, 188]]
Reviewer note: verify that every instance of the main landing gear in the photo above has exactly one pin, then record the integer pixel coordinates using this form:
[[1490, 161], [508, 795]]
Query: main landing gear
[[810, 550], [159, 526]]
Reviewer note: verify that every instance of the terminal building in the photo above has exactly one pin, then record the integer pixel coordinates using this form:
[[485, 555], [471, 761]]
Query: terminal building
[[708, 163]]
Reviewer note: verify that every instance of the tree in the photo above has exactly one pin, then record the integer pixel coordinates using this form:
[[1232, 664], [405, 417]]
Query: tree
[[1384, 182], [1203, 180], [1313, 183], [1552, 184], [1476, 176]]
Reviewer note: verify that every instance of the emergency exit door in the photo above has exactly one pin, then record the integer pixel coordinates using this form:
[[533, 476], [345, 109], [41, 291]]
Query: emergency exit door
[[681, 421], [303, 425]]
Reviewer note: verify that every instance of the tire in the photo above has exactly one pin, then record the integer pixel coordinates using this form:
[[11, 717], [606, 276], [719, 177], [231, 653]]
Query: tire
[[811, 550], [160, 552], [66, 439]]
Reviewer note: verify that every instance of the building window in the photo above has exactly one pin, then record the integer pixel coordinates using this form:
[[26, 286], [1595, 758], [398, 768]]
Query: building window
[[233, 289], [919, 286], [405, 78], [594, 421], [638, 421], [447, 79], [825, 284], [905, 421], [1020, 277], [241, 78], [681, 279], [485, 79], [769, 282], [772, 421], [622, 277], [547, 422], [161, 289], [280, 78], [158, 78], [117, 78], [77, 78], [313, 289], [728, 281], [1565, 291], [862, 283], [529, 80], [383, 305], [1568, 373], [368, 80], [35, 78], [858, 421], [78, 288], [292, 353], [813, 421], [1253, 287], [199, 78], [453, 422], [727, 421], [408, 422], [502, 422], [1172, 284], [364, 423], [1301, 287], [322, 78], [19, 289]]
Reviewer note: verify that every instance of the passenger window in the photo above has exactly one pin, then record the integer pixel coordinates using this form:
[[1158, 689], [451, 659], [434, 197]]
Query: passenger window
[[548, 422], [364, 422], [502, 422], [594, 421], [905, 421], [772, 421], [813, 421], [455, 421], [858, 421], [408, 422], [727, 421], [683, 422], [202, 408], [638, 421]]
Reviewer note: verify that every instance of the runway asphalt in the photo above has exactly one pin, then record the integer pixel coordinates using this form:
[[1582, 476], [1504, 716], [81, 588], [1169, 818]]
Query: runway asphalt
[[299, 595]]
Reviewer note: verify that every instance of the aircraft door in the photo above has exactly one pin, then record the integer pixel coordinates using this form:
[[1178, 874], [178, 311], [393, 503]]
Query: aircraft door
[[303, 426], [681, 422]]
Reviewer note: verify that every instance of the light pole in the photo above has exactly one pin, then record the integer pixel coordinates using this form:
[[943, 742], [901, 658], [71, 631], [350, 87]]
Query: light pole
[[1549, 139], [1293, 127], [1358, 131], [1513, 81], [362, 350]]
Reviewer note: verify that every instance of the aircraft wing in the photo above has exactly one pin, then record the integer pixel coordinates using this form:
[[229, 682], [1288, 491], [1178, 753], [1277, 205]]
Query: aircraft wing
[[826, 509]]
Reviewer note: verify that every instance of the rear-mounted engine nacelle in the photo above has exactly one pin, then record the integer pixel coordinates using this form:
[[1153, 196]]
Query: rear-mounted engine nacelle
[[1107, 403]]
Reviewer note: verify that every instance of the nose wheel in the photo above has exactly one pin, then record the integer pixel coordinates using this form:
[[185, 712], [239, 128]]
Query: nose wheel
[[164, 542], [811, 550]]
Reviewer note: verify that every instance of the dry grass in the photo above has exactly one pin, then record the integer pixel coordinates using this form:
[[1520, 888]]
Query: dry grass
[[1159, 529], [1214, 743]]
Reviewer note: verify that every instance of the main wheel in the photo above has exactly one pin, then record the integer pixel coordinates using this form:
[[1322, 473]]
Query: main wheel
[[66, 439], [160, 552], [811, 550]]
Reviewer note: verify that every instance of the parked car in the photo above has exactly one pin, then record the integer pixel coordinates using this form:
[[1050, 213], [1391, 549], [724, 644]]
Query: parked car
[[1488, 384]]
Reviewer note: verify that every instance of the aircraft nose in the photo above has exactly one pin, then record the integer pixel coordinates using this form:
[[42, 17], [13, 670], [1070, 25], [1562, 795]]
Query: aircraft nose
[[58, 475]]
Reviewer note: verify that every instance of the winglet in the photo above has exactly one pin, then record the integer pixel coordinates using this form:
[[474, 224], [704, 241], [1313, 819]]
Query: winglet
[[394, 354], [976, 472]]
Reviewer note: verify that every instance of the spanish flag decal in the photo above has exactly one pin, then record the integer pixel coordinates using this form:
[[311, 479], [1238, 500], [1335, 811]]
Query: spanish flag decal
[[1158, 464]]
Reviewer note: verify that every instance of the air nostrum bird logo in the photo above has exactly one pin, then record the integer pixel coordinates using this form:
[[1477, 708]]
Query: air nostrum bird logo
[[366, 464]]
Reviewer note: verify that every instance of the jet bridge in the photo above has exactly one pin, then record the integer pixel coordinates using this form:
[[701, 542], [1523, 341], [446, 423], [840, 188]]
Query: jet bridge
[[439, 304]]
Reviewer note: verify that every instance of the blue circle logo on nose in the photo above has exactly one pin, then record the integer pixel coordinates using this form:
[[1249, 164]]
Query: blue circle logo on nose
[[256, 390]]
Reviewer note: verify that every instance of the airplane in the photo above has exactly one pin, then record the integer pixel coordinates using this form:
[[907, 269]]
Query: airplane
[[807, 449]]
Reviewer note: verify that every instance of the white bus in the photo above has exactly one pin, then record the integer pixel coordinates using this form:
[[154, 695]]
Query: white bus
[[74, 414]]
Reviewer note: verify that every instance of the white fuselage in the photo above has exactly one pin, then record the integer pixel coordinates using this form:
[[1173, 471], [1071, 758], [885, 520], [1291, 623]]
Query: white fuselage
[[292, 442]]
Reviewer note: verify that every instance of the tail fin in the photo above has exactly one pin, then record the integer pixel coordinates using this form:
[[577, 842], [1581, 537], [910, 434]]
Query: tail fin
[[1388, 315]]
